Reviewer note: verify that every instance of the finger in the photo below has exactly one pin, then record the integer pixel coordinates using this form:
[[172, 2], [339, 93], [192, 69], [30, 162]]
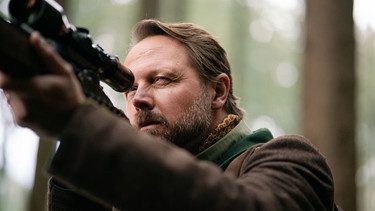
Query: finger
[[17, 106], [8, 83], [53, 61], [4, 80]]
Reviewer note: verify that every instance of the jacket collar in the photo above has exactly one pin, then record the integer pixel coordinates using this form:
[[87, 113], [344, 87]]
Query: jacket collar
[[214, 152]]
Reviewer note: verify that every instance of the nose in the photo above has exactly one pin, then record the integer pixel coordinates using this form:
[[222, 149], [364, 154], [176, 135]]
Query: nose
[[142, 99]]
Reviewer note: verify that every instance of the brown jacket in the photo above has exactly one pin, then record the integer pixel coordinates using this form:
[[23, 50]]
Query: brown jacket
[[105, 163]]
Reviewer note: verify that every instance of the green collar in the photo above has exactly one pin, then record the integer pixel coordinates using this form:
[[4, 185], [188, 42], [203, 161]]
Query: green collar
[[216, 150]]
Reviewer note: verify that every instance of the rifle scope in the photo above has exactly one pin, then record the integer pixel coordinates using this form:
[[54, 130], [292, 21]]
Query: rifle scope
[[73, 43]]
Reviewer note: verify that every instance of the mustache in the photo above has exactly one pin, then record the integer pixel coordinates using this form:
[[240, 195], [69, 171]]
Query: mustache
[[146, 116]]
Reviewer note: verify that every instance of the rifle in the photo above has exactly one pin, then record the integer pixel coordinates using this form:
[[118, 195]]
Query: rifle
[[89, 61]]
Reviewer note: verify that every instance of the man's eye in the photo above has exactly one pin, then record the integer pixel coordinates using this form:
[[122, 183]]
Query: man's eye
[[131, 92], [132, 89], [162, 80]]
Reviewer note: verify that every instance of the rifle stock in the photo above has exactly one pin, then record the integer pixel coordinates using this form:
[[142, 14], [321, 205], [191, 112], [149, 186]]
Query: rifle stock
[[17, 58]]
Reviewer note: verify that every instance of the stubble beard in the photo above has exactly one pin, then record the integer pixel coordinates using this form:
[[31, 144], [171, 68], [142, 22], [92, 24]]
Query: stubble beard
[[190, 125]]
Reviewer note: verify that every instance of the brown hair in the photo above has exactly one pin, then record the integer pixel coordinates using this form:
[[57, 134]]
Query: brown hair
[[205, 52]]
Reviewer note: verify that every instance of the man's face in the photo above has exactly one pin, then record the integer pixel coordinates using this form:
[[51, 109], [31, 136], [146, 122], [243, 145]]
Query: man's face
[[167, 99]]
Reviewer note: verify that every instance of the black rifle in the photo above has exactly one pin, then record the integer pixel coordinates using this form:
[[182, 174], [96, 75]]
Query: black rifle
[[90, 63]]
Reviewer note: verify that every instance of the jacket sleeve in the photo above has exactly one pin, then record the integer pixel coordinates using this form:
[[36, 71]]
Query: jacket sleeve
[[105, 159], [64, 199]]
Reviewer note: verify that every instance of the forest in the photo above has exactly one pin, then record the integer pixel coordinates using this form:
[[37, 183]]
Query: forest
[[299, 67]]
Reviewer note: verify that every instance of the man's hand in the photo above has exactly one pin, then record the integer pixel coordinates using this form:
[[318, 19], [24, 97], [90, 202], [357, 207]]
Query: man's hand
[[44, 103]]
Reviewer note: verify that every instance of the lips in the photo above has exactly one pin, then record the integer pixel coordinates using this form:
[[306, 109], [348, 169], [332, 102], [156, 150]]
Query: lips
[[147, 120], [147, 124]]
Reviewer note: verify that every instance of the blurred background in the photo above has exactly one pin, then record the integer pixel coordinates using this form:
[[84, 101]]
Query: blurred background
[[300, 67]]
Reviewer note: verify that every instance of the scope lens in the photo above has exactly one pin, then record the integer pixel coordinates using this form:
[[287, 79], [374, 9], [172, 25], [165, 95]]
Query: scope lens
[[25, 11], [30, 3]]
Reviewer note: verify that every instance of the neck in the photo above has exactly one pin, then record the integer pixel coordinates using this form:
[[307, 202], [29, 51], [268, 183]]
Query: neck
[[194, 145]]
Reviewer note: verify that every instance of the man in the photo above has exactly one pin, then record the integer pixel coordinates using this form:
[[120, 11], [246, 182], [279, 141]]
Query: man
[[191, 149]]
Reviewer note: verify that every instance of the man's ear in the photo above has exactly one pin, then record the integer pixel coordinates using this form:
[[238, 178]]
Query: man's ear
[[221, 91]]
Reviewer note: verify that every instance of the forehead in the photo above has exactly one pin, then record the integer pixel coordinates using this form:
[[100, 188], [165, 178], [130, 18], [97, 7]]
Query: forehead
[[159, 54], [158, 46]]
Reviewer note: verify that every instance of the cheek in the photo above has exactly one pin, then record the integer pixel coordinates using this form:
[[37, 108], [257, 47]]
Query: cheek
[[130, 112], [173, 104]]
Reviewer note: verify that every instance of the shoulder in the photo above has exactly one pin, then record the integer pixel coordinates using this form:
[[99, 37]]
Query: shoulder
[[289, 146], [283, 151], [287, 166]]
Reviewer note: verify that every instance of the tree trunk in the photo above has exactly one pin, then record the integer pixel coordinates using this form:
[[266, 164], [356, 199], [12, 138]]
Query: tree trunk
[[329, 91], [38, 199], [174, 10], [238, 48], [149, 9]]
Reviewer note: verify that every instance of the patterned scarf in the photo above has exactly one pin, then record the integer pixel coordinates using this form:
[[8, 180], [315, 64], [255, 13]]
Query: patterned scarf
[[221, 130]]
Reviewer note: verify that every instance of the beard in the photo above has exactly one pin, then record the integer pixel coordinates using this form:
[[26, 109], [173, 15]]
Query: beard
[[190, 125]]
